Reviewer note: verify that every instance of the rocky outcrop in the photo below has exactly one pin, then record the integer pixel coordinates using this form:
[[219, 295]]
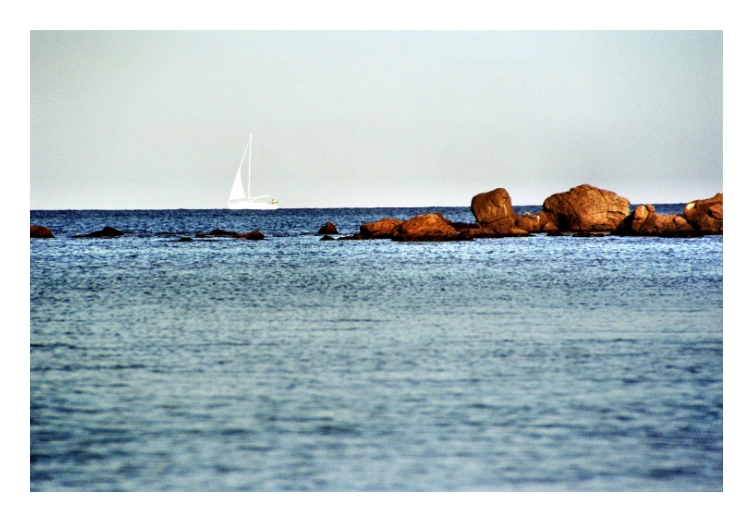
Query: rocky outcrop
[[40, 232], [328, 228], [381, 229], [105, 232], [644, 221], [426, 227], [218, 232], [254, 235], [705, 215], [586, 208], [489, 207]]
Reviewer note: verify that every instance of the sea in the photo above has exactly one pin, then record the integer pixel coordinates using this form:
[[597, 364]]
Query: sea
[[293, 364]]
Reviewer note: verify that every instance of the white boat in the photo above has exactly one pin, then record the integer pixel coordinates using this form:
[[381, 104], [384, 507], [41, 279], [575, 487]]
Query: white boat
[[238, 199]]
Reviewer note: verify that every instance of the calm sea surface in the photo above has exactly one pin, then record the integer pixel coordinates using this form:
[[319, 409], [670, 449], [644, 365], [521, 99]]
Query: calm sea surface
[[540, 363]]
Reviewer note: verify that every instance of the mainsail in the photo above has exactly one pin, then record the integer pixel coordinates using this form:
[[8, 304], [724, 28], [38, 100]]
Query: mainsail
[[237, 191]]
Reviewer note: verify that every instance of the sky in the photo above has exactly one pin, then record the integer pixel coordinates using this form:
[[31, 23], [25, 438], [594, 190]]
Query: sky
[[160, 119]]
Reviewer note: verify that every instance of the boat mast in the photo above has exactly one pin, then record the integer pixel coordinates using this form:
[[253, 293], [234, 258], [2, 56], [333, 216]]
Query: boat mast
[[249, 165]]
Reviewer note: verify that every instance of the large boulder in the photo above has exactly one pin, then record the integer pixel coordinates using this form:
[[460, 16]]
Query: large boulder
[[426, 227], [105, 232], [489, 207], [381, 229], [705, 215], [40, 232], [644, 221], [328, 228], [586, 208]]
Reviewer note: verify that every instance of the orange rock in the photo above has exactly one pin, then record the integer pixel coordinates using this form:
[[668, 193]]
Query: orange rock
[[426, 227], [381, 229], [328, 228], [587, 208], [40, 232], [706, 215], [489, 207], [644, 221], [254, 235]]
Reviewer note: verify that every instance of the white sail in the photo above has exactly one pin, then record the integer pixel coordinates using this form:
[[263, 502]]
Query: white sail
[[238, 199], [237, 191]]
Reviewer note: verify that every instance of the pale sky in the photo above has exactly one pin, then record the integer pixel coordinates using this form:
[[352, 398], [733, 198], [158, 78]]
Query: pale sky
[[126, 120]]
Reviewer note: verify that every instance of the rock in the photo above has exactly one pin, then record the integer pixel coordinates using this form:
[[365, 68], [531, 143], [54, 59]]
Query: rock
[[587, 208], [327, 238], [528, 222], [706, 215], [644, 221], [502, 228], [381, 229], [185, 239], [217, 232], [105, 232], [426, 227], [489, 207], [459, 226], [40, 232], [481, 232], [549, 226], [328, 228], [588, 234], [554, 233], [254, 235]]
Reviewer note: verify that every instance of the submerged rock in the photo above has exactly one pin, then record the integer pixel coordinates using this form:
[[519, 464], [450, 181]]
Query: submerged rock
[[218, 232], [381, 229], [40, 232], [254, 235], [327, 238], [185, 239], [105, 232], [587, 208], [706, 215], [328, 228]]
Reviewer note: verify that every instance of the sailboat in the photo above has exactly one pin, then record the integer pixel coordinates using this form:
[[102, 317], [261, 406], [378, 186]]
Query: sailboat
[[238, 199]]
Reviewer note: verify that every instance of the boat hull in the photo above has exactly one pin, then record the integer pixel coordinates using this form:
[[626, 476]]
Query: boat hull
[[251, 205]]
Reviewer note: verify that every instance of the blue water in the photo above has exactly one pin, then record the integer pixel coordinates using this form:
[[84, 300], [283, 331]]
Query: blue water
[[538, 363]]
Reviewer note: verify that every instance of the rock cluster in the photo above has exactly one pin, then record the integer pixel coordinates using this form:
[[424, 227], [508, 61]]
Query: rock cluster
[[644, 221], [582, 211]]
